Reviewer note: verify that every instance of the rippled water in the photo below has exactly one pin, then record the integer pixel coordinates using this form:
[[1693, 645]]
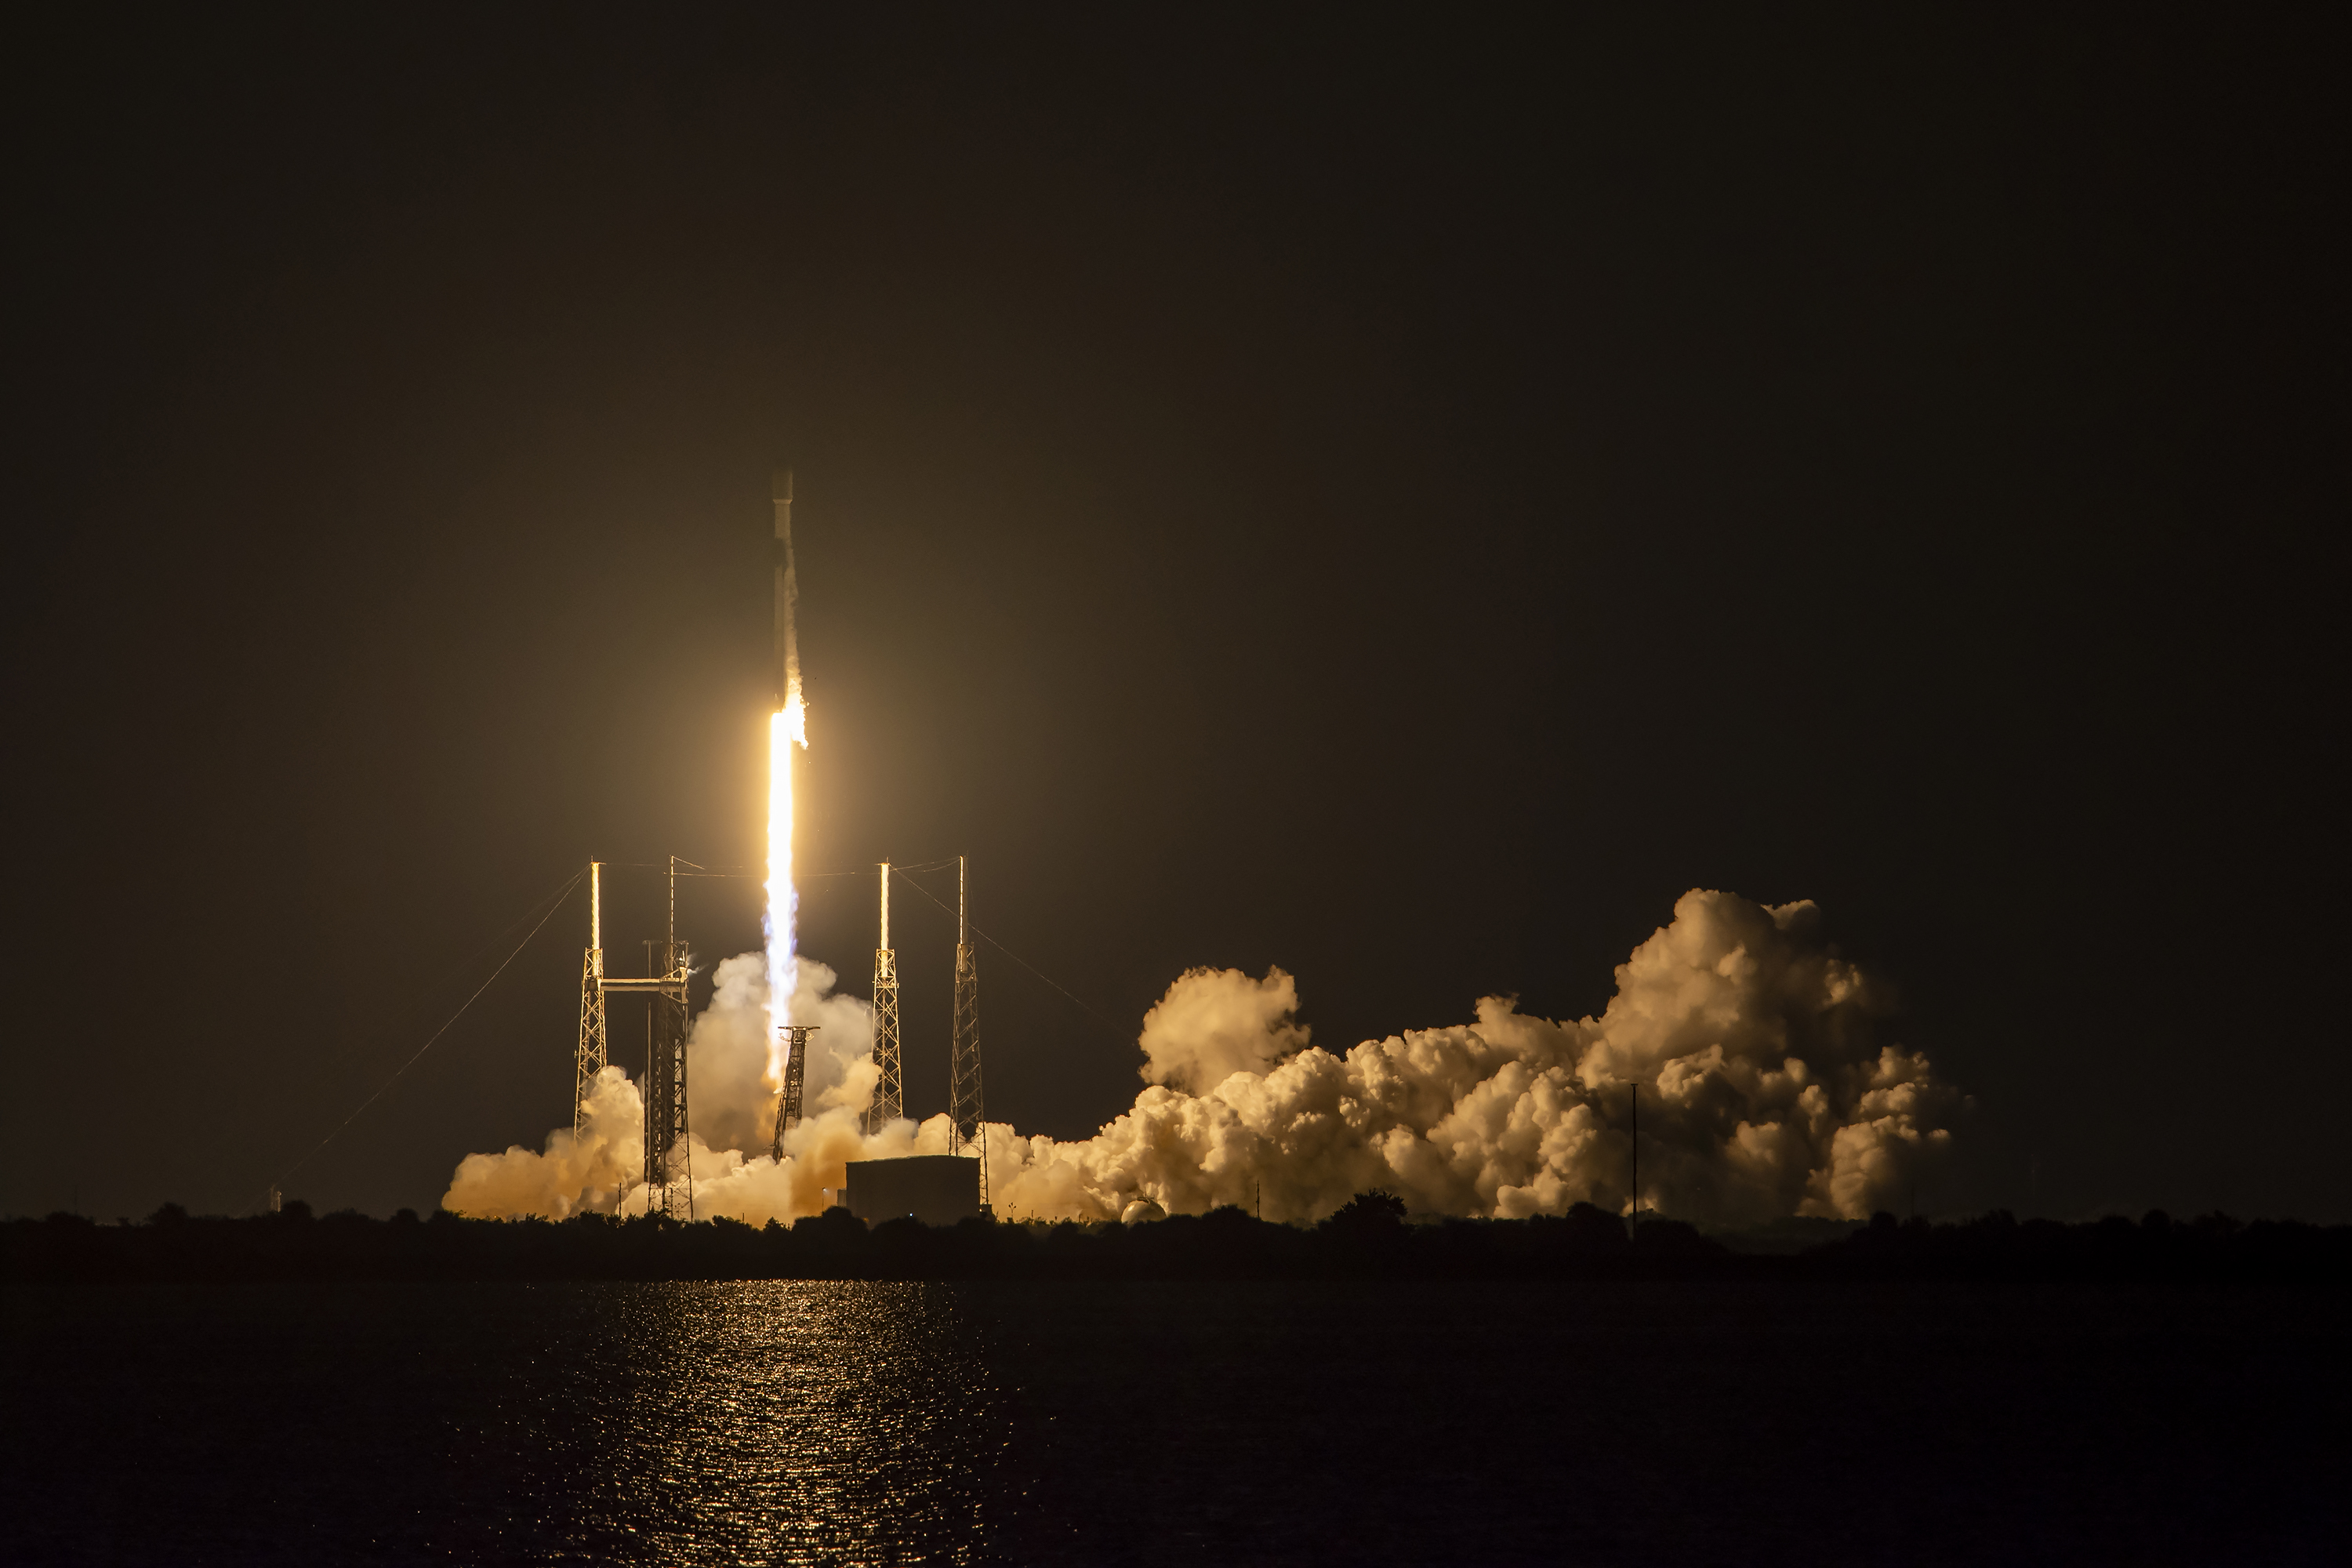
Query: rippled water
[[874, 1423]]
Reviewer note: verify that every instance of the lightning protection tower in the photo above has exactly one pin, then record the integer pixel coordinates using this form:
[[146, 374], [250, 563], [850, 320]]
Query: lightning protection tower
[[668, 1171], [889, 1097], [963, 1055]]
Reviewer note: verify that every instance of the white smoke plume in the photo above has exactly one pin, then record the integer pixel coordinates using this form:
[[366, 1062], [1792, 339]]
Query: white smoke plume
[[731, 1107], [587, 1173], [1214, 1023], [731, 1101], [1765, 1091]]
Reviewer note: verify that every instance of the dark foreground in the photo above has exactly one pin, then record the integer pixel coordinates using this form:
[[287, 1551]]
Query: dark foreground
[[1367, 1239], [1101, 1422]]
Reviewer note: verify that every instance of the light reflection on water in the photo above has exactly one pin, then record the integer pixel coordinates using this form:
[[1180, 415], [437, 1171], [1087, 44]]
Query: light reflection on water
[[658, 1423], [772, 1421]]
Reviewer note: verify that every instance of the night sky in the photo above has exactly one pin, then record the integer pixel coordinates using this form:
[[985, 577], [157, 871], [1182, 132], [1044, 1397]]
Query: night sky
[[1400, 499]]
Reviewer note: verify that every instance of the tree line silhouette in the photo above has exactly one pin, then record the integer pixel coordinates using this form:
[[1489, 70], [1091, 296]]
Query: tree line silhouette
[[1369, 1237]]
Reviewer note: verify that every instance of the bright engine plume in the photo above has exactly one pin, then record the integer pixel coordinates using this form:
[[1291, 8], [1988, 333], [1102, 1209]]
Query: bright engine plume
[[787, 727]]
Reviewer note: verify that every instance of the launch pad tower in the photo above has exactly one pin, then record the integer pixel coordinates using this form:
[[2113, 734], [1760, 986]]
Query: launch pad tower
[[788, 1104], [968, 1132], [668, 1170]]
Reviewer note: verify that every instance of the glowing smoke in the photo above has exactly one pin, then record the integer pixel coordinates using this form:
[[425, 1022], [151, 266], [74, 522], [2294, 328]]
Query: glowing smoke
[[729, 1106], [587, 1173], [1214, 1023], [1766, 1091], [729, 1102]]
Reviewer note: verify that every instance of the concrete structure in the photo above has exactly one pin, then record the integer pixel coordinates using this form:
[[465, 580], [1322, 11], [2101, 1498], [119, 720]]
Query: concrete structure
[[938, 1189]]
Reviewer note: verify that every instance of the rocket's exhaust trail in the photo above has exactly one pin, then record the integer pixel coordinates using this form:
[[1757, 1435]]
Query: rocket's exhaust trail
[[786, 728]]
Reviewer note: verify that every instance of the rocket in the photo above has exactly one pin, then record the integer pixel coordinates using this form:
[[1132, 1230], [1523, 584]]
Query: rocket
[[787, 592]]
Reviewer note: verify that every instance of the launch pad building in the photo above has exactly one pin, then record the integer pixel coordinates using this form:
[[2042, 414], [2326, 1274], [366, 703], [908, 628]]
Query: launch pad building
[[938, 1189]]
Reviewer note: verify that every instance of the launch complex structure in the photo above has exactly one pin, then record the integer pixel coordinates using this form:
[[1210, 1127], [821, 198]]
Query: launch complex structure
[[888, 1103], [669, 1176], [668, 1172]]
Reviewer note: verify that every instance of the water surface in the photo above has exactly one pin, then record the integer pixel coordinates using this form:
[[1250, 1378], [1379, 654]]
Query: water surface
[[793, 1422]]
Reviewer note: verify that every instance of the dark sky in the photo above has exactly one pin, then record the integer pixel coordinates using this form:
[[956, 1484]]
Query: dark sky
[[1397, 499]]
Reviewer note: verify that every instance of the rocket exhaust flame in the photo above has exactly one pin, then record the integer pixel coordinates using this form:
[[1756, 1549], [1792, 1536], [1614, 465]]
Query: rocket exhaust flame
[[784, 730], [787, 727]]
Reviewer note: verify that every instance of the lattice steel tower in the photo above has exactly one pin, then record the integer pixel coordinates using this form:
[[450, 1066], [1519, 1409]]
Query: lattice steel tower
[[666, 1111], [963, 1055], [788, 1104], [589, 1059], [669, 1169], [889, 1101]]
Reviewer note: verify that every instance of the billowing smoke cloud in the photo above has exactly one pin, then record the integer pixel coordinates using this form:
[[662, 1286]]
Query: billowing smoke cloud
[[731, 1106], [1214, 1023], [730, 1098], [587, 1173], [1766, 1090]]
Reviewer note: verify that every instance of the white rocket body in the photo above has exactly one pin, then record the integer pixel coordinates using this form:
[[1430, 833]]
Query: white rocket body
[[787, 592]]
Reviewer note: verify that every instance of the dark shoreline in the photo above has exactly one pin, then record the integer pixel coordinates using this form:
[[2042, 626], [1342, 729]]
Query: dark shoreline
[[1360, 1243]]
